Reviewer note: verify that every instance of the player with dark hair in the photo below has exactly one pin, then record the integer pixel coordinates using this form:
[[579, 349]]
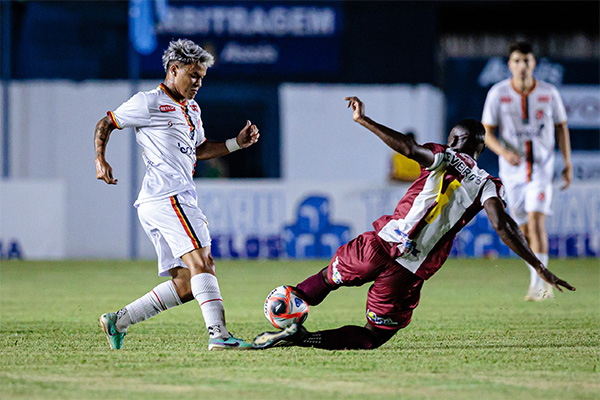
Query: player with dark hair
[[408, 247], [168, 126], [530, 115]]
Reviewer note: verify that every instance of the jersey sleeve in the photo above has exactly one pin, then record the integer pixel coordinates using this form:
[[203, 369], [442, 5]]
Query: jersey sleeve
[[490, 109], [438, 155], [133, 113], [558, 108], [493, 188]]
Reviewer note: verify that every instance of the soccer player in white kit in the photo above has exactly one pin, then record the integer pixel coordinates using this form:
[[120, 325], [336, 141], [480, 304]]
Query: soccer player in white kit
[[169, 128], [530, 115]]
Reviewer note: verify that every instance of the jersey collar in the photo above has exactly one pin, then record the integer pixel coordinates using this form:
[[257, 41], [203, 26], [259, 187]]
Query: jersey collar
[[524, 94], [170, 94]]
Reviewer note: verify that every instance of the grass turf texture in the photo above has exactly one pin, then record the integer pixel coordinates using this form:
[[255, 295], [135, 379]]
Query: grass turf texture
[[472, 337]]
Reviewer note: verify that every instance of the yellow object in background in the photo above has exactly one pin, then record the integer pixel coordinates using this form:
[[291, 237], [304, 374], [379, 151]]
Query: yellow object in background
[[404, 169]]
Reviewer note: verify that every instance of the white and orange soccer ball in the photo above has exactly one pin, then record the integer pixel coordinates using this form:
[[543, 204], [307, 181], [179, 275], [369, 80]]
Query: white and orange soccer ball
[[283, 307]]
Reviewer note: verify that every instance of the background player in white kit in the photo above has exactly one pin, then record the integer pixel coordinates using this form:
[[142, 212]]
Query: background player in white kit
[[530, 114], [168, 127]]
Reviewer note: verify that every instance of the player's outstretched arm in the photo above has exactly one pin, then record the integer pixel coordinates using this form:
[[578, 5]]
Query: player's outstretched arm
[[246, 138], [104, 128], [511, 235], [397, 141]]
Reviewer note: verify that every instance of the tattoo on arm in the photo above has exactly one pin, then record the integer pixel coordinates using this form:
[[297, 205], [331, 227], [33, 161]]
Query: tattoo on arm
[[103, 130]]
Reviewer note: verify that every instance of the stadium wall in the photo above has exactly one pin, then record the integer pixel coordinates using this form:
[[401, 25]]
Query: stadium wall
[[53, 207]]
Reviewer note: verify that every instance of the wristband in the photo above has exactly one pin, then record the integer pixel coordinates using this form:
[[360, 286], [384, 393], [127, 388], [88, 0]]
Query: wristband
[[232, 145]]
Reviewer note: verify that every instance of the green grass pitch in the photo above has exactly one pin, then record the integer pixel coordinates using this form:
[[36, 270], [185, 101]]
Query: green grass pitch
[[472, 337]]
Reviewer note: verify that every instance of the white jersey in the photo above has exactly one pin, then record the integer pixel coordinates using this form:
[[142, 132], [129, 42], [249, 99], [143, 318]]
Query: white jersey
[[169, 132], [526, 122]]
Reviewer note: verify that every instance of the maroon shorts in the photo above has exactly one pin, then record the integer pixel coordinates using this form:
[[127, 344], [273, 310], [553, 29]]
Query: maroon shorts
[[395, 291]]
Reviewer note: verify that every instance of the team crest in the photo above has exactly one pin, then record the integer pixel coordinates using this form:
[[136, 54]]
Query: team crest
[[541, 196]]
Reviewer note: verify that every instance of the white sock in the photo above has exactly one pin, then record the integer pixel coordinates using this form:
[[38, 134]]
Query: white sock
[[535, 280], [543, 257], [161, 298], [205, 289]]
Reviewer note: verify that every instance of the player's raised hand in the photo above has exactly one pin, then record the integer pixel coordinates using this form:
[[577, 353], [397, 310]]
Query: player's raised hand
[[104, 172], [248, 135], [555, 280], [358, 107]]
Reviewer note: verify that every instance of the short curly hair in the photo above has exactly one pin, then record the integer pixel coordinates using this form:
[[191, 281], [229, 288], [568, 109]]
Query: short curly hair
[[186, 52]]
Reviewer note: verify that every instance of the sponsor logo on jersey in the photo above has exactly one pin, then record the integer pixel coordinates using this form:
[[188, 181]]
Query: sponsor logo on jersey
[[190, 151], [371, 316], [405, 245], [194, 108], [505, 99], [172, 124], [166, 108], [462, 167], [544, 99]]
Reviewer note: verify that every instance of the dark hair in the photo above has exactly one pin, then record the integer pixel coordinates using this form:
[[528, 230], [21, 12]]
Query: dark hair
[[521, 46], [472, 126]]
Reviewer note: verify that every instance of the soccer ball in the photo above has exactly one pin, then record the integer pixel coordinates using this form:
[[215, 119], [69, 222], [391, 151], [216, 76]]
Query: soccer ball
[[283, 307]]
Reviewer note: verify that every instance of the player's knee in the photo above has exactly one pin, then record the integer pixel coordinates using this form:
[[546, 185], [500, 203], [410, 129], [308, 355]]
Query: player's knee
[[200, 262], [183, 289]]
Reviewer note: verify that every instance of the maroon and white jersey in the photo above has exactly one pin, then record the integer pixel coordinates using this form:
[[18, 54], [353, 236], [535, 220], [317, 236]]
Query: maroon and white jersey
[[445, 197]]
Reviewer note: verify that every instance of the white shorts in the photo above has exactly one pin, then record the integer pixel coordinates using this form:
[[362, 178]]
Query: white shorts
[[526, 197], [175, 227]]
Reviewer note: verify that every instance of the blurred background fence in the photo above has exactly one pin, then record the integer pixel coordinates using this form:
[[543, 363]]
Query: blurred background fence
[[315, 179]]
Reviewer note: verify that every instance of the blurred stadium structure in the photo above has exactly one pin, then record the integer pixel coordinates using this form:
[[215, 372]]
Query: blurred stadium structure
[[315, 179]]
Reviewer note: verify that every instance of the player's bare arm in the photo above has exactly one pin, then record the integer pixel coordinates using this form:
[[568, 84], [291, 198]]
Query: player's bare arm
[[511, 235], [564, 145], [397, 141], [492, 142], [104, 128], [246, 138]]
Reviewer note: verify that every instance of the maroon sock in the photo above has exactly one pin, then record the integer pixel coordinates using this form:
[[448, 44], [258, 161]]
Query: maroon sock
[[350, 337], [314, 289]]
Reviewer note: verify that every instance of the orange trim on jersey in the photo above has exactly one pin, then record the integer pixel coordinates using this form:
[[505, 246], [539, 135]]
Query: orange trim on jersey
[[524, 113], [182, 105], [113, 119], [529, 158], [184, 222], [170, 94]]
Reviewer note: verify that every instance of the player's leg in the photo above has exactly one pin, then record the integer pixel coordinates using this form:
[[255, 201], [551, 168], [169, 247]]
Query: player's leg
[[517, 195], [359, 261], [315, 288], [538, 203], [205, 289], [190, 240], [164, 296]]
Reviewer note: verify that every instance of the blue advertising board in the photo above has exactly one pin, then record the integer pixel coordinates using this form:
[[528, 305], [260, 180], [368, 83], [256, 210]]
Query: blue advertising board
[[257, 39]]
